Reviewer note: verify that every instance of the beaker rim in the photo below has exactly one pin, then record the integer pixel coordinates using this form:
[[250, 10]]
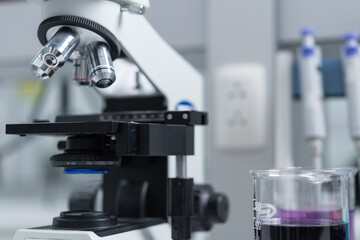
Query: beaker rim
[[344, 172]]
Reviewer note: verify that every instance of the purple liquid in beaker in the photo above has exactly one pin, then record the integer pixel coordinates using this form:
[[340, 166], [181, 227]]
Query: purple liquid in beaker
[[352, 224], [302, 232], [334, 216]]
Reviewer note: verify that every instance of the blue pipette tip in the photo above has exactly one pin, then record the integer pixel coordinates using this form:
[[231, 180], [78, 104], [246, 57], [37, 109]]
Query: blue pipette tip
[[308, 31], [351, 35], [86, 171]]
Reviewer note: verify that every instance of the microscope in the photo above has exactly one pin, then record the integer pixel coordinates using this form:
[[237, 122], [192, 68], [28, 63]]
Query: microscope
[[130, 141]]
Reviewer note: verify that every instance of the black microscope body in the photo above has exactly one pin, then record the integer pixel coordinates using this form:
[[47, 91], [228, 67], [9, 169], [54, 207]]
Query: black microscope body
[[130, 143]]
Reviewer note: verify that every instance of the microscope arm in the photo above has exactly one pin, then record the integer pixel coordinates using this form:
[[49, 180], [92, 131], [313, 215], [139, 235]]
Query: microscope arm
[[156, 59]]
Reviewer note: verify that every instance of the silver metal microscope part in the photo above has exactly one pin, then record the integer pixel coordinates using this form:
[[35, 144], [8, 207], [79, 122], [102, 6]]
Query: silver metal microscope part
[[181, 166], [55, 53], [100, 65], [81, 73], [135, 9], [316, 150]]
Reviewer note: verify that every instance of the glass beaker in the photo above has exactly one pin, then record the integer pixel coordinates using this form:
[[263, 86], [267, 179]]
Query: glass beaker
[[352, 200], [301, 204]]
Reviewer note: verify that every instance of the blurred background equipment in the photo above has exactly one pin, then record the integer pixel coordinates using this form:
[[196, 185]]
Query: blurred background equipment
[[351, 71], [311, 84]]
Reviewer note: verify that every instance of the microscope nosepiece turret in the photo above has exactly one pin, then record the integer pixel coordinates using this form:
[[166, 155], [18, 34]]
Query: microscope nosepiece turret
[[55, 53]]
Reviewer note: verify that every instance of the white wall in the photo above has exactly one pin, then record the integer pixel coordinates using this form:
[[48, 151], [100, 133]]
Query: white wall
[[18, 30], [330, 18], [239, 31]]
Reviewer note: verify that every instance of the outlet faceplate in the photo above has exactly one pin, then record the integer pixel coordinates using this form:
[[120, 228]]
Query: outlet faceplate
[[240, 106]]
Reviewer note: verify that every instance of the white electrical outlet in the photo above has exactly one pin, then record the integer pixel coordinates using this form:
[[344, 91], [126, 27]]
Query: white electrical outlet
[[240, 106]]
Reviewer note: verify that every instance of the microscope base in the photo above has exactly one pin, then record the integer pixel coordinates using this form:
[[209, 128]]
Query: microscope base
[[48, 234]]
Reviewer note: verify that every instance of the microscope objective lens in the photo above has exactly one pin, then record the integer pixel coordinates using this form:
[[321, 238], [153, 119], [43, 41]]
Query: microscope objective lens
[[50, 60], [55, 53]]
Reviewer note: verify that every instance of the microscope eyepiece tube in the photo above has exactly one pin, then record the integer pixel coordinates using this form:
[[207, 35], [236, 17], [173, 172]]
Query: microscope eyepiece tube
[[55, 53], [100, 65]]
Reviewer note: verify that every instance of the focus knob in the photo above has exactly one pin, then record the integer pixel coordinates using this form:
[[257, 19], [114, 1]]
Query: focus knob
[[218, 208], [210, 208]]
